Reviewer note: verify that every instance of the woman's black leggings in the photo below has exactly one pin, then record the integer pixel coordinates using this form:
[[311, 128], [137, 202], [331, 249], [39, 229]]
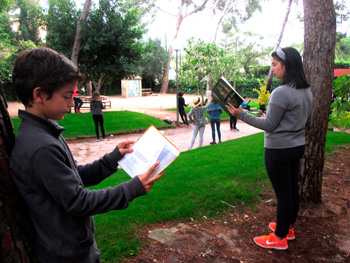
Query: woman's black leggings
[[282, 166], [98, 119]]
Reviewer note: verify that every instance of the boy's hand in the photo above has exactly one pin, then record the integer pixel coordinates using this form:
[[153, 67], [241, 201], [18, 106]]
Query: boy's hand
[[235, 111], [146, 180], [125, 147]]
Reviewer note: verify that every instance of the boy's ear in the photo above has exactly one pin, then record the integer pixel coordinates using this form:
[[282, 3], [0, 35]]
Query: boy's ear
[[38, 95]]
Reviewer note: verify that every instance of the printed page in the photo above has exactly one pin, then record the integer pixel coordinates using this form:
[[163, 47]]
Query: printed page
[[150, 148]]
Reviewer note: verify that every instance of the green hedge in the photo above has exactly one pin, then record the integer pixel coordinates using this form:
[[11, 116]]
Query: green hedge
[[341, 64]]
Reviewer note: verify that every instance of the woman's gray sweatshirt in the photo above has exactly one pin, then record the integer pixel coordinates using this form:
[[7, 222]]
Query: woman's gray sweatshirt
[[289, 110]]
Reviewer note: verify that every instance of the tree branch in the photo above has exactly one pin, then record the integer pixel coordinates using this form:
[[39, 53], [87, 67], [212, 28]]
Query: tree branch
[[199, 8]]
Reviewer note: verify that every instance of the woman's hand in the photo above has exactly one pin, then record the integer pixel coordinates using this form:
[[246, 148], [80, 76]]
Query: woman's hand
[[125, 147], [146, 180], [234, 111]]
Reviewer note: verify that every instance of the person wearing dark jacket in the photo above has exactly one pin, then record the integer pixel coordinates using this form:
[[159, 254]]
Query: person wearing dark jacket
[[52, 184], [182, 106]]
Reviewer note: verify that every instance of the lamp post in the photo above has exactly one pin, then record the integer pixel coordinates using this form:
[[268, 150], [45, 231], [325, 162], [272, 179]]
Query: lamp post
[[177, 90]]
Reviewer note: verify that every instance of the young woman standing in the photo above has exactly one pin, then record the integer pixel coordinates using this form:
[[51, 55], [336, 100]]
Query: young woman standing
[[289, 111], [96, 107]]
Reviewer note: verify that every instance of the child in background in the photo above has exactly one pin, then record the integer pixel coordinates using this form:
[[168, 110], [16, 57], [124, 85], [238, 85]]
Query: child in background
[[50, 181], [96, 107], [78, 102]]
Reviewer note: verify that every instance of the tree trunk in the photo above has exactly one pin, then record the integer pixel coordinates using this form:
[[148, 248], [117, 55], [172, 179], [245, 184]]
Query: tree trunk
[[319, 41], [15, 227], [269, 77], [88, 88], [165, 83], [101, 80], [78, 33], [180, 17]]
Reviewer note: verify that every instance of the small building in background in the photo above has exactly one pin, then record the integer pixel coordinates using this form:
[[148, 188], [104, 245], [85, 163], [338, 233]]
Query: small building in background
[[132, 87]]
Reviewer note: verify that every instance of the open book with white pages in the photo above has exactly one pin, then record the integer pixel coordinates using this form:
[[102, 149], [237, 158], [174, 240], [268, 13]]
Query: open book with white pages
[[153, 146]]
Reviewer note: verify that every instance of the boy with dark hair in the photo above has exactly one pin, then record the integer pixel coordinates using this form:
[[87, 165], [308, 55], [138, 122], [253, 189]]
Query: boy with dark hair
[[48, 178]]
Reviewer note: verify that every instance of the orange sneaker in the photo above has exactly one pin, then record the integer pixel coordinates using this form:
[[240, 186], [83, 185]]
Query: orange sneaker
[[290, 235], [271, 241]]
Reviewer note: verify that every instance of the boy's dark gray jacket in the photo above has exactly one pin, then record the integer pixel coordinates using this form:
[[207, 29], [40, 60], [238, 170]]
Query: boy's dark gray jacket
[[53, 185]]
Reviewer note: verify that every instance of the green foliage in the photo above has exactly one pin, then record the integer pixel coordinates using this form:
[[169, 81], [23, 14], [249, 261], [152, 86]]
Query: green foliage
[[200, 60], [111, 43], [260, 71], [246, 87], [82, 125], [61, 24], [4, 4], [226, 66], [342, 48], [30, 19], [249, 51], [341, 64], [7, 63], [340, 116], [154, 60]]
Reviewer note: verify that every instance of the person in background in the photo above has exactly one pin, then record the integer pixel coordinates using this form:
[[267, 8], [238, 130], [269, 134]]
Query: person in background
[[96, 107], [214, 112], [245, 105], [50, 181], [78, 102], [196, 115], [182, 106], [233, 124], [289, 111]]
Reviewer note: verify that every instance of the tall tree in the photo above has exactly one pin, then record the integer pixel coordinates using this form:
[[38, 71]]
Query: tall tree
[[15, 230], [29, 20], [249, 50], [61, 23], [269, 77], [78, 34], [199, 61], [319, 42], [232, 11], [185, 8], [153, 62], [111, 45]]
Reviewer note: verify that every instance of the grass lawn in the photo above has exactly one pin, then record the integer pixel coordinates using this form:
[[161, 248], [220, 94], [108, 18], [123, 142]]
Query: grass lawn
[[115, 122], [199, 183]]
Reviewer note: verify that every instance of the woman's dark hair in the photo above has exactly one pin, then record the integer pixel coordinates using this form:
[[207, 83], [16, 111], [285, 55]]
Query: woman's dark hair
[[45, 68], [294, 72], [94, 96], [181, 93]]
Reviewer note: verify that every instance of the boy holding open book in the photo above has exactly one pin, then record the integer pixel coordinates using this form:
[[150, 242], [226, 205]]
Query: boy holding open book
[[52, 184]]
